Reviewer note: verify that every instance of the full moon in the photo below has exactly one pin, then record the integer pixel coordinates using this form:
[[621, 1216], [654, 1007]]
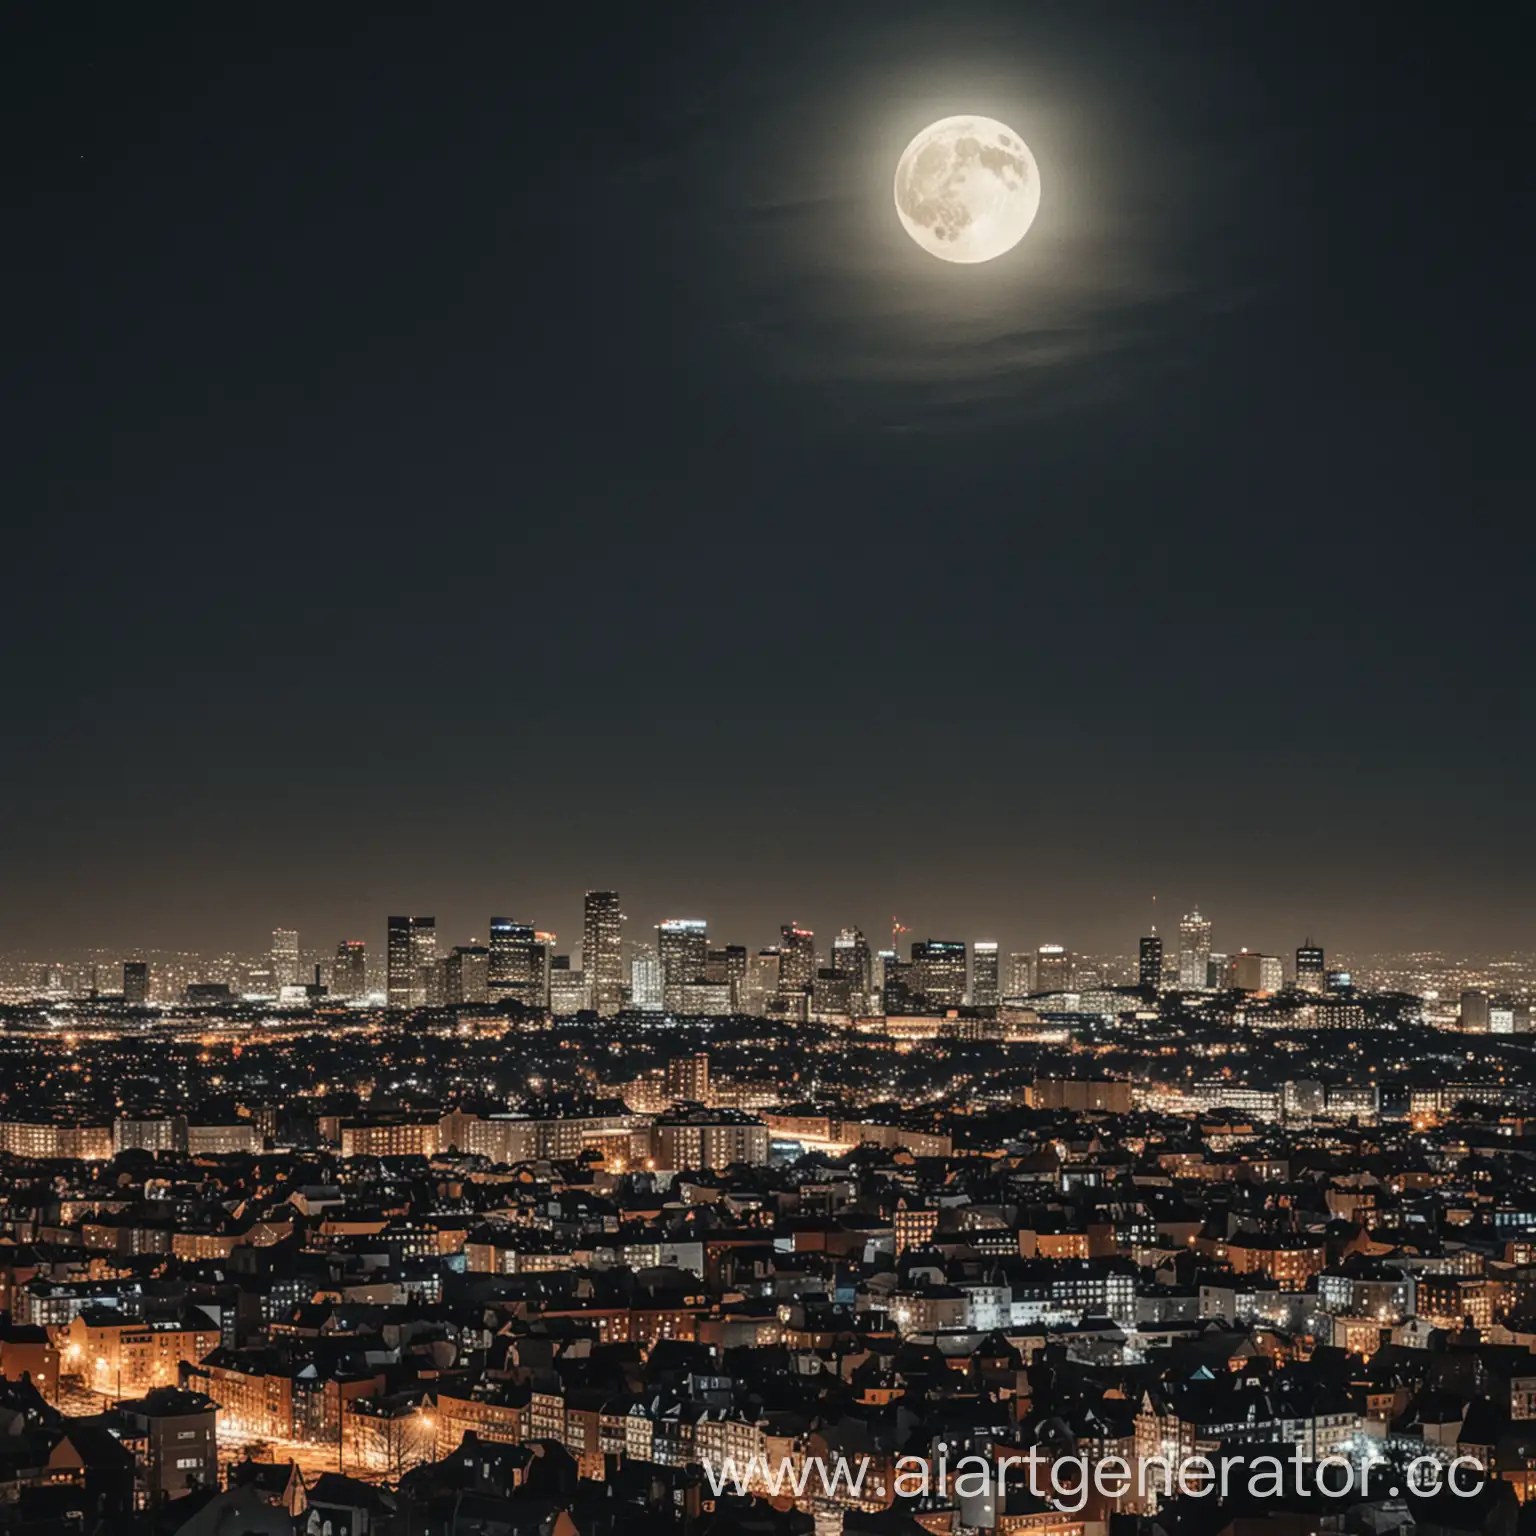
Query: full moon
[[967, 189]]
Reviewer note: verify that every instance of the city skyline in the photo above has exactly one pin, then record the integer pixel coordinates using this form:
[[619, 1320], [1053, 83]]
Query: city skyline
[[610, 929], [680, 967], [1086, 930]]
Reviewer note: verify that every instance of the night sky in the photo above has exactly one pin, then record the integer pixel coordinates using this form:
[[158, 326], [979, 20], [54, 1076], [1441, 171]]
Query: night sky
[[456, 457]]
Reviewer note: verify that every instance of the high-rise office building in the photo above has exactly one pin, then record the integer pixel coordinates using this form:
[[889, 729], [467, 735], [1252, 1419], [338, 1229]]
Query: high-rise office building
[[285, 957], [1311, 971], [1194, 951], [797, 965], [410, 952], [898, 986], [434, 983], [543, 964], [1021, 975], [762, 984], [1474, 1011], [939, 972], [984, 979], [1053, 968], [569, 990], [602, 950], [832, 995], [349, 970], [1149, 963], [1253, 972], [424, 959], [729, 966], [851, 959], [682, 943], [135, 983], [645, 985], [466, 977], [503, 958], [517, 964]]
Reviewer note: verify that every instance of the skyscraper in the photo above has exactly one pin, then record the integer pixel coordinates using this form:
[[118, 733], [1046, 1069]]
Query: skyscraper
[[762, 981], [602, 950], [938, 972], [500, 963], [1053, 968], [434, 983], [1311, 972], [285, 957], [729, 965], [682, 943], [898, 991], [411, 949], [984, 981], [645, 986], [832, 995], [797, 965], [516, 964], [1021, 972], [135, 983], [543, 963], [1149, 966], [569, 992], [349, 970], [851, 958], [1194, 951], [466, 974], [397, 962]]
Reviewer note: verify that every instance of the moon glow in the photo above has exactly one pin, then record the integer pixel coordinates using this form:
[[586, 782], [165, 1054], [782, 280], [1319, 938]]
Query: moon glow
[[967, 189]]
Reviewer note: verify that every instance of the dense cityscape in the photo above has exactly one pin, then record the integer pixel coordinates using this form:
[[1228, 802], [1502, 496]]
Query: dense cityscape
[[516, 1238], [985, 528]]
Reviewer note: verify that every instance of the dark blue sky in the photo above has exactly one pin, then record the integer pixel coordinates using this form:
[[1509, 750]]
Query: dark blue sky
[[461, 456]]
